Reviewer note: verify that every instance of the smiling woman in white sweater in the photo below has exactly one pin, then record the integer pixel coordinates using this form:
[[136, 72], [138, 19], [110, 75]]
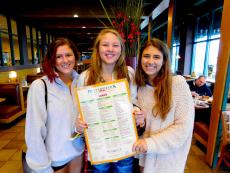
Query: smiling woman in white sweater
[[167, 104]]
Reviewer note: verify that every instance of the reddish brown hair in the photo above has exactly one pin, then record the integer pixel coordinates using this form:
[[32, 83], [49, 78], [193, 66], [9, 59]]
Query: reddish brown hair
[[49, 62]]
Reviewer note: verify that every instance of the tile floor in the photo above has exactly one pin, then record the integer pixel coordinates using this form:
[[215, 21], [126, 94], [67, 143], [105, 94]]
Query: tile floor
[[12, 143]]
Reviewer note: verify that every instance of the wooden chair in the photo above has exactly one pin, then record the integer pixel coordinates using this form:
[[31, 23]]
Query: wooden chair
[[225, 148]]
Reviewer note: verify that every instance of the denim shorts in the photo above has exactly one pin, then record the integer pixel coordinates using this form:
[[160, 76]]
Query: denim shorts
[[122, 166]]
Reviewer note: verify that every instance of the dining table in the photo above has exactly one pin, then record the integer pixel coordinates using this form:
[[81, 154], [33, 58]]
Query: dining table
[[203, 109]]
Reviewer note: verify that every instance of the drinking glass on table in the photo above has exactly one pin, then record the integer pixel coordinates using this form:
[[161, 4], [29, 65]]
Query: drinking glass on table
[[196, 99]]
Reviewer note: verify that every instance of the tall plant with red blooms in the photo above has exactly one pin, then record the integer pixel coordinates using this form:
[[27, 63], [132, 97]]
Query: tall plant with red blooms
[[126, 20]]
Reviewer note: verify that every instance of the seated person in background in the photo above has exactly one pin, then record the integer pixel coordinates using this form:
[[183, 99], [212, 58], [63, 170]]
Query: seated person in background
[[178, 72], [199, 87]]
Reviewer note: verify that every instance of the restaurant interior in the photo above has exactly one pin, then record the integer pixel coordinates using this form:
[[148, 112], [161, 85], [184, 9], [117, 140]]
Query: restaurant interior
[[196, 32]]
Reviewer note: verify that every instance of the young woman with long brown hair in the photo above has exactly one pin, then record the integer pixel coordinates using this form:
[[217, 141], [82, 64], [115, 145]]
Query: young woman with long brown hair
[[168, 106]]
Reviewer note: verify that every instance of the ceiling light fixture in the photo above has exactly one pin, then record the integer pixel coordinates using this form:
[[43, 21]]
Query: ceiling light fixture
[[83, 27]]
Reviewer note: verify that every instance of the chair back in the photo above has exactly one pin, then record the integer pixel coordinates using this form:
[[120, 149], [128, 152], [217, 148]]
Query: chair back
[[225, 116]]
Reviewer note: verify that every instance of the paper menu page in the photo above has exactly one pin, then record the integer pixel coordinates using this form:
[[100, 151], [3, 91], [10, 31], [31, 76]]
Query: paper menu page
[[107, 109]]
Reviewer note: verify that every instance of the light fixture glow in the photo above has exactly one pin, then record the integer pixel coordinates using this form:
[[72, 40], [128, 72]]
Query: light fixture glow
[[75, 16], [83, 27], [13, 76], [38, 70]]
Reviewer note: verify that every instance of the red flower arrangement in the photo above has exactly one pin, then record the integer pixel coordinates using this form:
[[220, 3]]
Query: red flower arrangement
[[129, 32], [126, 22]]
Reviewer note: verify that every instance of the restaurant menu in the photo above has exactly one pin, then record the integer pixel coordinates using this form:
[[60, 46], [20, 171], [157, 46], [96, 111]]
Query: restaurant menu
[[107, 109]]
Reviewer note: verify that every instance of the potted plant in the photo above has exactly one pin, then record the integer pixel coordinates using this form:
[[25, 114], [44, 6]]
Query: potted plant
[[126, 18]]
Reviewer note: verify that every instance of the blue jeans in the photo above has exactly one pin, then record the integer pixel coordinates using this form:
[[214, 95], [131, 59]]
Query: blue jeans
[[122, 166]]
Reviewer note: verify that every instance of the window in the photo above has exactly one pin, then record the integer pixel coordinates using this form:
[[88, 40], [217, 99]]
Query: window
[[28, 41], [9, 40], [5, 49], [39, 45], [144, 36], [15, 42], [175, 50], [35, 47], [159, 26], [175, 57], [199, 55], [160, 32], [13, 51], [213, 54], [200, 44], [206, 44]]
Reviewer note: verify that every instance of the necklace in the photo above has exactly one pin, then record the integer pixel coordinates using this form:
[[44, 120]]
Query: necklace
[[101, 79], [105, 77]]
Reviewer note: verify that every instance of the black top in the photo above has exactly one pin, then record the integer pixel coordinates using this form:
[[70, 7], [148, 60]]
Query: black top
[[202, 91]]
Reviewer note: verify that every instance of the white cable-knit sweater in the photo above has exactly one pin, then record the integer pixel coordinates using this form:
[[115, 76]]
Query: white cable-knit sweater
[[168, 141]]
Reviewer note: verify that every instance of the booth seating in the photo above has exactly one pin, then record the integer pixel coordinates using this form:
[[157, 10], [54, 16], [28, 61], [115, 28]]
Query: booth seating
[[201, 132], [31, 77], [13, 105], [201, 125]]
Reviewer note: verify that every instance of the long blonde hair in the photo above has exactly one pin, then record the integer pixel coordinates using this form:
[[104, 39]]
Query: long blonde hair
[[96, 63], [162, 82]]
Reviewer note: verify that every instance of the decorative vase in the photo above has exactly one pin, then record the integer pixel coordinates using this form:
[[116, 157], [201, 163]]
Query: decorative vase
[[131, 61]]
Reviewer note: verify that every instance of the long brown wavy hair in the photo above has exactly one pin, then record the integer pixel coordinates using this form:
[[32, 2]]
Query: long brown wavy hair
[[162, 82], [96, 63], [49, 62]]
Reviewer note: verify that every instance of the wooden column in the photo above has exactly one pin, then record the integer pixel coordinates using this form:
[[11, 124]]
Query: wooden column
[[170, 23], [149, 29], [221, 75]]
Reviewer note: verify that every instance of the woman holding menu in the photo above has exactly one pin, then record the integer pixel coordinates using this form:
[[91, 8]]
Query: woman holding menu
[[51, 113], [108, 64], [168, 105]]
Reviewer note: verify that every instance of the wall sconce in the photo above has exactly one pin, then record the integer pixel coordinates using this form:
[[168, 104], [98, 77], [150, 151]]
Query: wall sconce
[[38, 70], [12, 76]]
